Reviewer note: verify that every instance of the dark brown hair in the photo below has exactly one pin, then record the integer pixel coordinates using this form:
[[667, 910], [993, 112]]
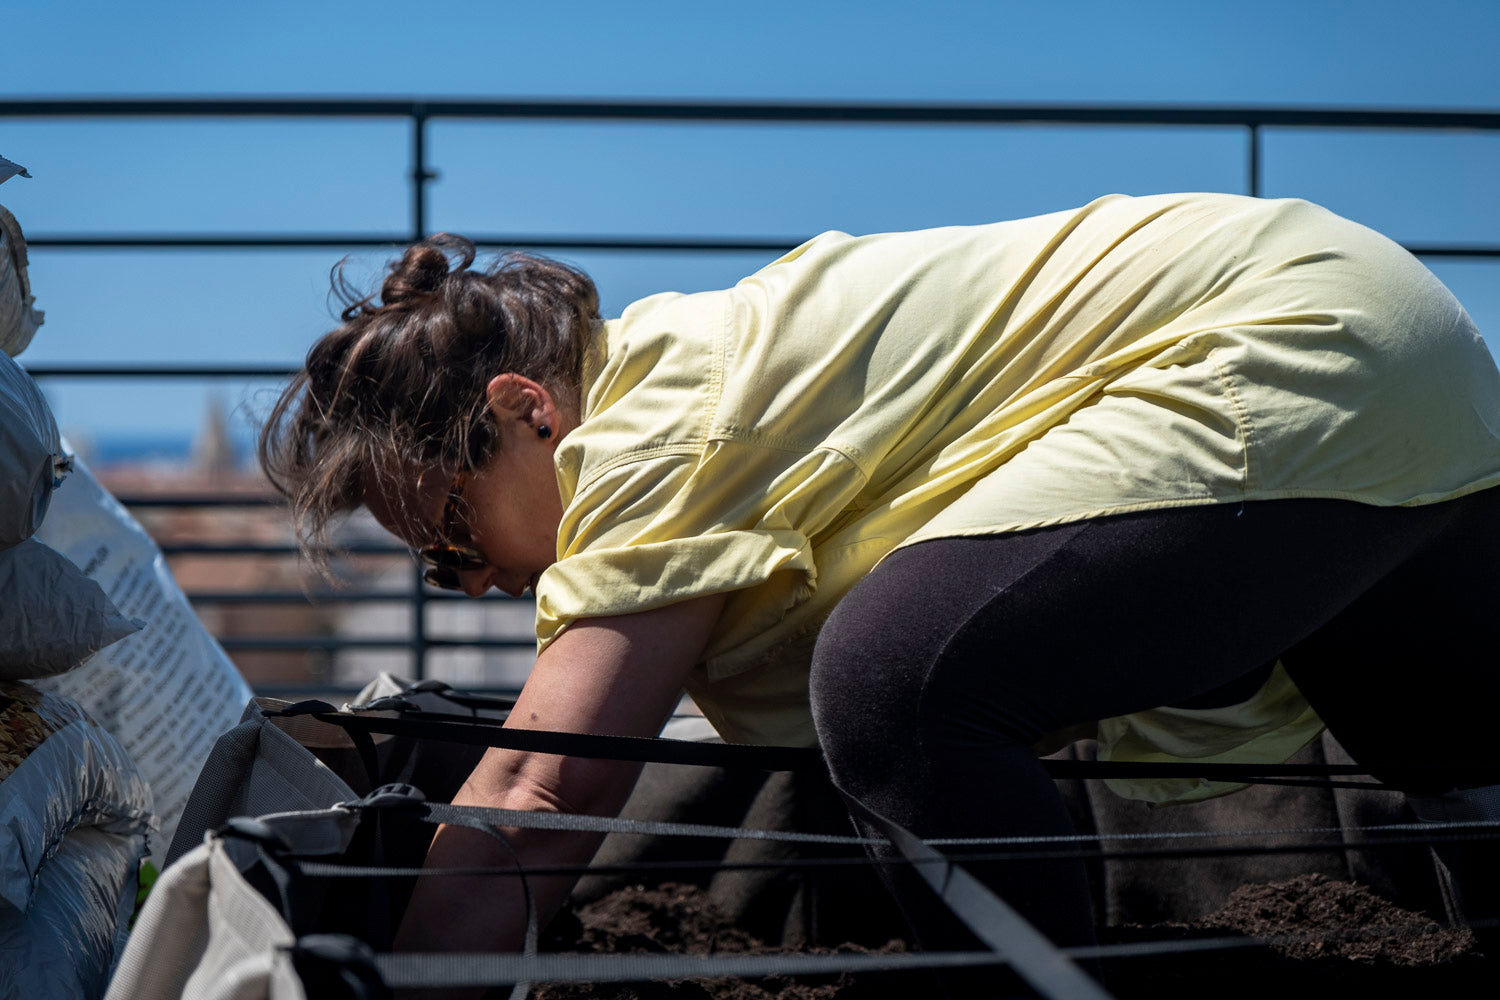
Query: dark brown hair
[[400, 386]]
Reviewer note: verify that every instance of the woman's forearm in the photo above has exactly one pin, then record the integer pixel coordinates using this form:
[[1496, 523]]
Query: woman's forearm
[[618, 675], [488, 913]]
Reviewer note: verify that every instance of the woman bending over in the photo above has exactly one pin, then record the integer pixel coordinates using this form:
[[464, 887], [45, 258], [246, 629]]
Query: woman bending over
[[1201, 473]]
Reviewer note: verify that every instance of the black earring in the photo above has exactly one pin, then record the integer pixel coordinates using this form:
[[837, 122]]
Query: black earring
[[544, 432]]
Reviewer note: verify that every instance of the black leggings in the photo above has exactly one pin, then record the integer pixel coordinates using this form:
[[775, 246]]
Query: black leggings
[[936, 674]]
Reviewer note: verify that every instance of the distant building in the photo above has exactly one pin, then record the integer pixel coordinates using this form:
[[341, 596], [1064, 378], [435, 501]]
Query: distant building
[[222, 583]]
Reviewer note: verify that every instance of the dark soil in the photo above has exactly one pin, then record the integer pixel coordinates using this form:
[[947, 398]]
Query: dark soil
[[682, 919], [1317, 938]]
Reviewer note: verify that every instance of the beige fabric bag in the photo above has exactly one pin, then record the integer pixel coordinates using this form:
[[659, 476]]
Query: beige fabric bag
[[206, 934]]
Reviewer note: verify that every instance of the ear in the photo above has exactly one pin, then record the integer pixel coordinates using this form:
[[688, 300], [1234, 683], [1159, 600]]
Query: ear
[[516, 397]]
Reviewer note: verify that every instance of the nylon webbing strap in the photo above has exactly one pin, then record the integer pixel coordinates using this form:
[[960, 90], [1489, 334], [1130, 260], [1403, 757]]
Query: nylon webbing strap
[[525, 819], [1046, 967], [1033, 957], [490, 732], [993, 921], [479, 732], [325, 870], [464, 815], [449, 971]]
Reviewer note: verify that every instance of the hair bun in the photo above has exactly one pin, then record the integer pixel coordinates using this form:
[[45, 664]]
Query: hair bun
[[424, 267]]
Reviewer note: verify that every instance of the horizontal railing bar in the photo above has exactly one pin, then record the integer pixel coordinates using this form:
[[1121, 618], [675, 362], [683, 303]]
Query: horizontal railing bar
[[293, 642], [263, 241], [159, 371], [1438, 250], [336, 597], [191, 500], [694, 244], [298, 692], [790, 112], [236, 549]]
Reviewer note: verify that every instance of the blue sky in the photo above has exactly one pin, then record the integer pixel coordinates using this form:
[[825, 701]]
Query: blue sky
[[267, 306]]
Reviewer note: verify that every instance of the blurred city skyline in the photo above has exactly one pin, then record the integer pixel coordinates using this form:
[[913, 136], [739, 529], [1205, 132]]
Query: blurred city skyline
[[144, 176]]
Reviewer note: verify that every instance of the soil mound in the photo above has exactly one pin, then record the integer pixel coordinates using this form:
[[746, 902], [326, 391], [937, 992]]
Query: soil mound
[[683, 919], [1313, 916], [1317, 938]]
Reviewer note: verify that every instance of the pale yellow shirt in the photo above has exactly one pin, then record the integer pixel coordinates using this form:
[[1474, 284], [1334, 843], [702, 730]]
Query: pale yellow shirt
[[775, 440]]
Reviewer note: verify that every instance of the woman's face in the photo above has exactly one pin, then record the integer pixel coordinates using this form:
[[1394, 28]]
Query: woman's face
[[509, 510]]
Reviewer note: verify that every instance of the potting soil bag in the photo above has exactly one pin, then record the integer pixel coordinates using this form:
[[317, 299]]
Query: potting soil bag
[[75, 815], [168, 691], [59, 771], [32, 458], [65, 946], [52, 617]]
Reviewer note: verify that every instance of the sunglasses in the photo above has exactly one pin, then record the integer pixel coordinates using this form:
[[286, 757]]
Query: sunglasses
[[444, 560]]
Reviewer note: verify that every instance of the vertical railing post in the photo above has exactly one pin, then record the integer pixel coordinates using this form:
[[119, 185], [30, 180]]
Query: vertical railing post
[[420, 175], [418, 623], [1254, 154]]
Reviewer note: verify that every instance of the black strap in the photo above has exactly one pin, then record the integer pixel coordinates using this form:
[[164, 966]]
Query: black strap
[[1268, 774], [1046, 967], [402, 796], [441, 812], [464, 699], [1015, 941], [322, 959], [489, 732], [1033, 957], [1025, 949], [481, 732], [444, 813], [450, 971]]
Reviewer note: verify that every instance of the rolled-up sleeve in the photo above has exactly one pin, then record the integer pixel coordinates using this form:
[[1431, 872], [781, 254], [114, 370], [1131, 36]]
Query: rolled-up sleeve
[[690, 522]]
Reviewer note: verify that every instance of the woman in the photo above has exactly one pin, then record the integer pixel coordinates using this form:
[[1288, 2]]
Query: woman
[[929, 499]]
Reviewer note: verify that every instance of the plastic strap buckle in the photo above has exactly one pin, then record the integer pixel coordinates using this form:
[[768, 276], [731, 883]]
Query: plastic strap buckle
[[254, 830], [389, 703], [395, 795], [310, 707], [333, 964]]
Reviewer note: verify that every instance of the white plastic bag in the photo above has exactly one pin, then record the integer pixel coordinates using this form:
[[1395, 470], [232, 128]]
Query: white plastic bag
[[168, 691]]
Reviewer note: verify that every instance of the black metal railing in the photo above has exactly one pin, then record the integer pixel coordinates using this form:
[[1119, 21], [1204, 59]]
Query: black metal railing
[[419, 113]]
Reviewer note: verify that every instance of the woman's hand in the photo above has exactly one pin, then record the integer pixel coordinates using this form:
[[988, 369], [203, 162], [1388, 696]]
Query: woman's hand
[[618, 676]]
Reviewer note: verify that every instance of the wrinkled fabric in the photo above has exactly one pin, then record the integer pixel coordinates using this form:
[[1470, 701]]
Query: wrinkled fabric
[[52, 617], [66, 944], [776, 440], [31, 454], [58, 772], [206, 933]]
